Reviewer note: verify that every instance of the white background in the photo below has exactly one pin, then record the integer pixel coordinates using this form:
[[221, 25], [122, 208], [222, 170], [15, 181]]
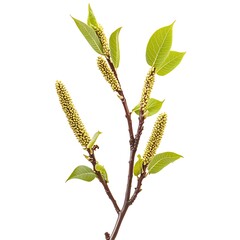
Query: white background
[[196, 198]]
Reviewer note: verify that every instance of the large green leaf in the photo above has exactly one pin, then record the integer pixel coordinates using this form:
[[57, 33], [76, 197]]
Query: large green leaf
[[90, 35], [114, 47], [172, 61], [102, 170], [158, 46], [91, 21], [161, 160], [82, 172], [153, 107], [93, 140], [138, 166]]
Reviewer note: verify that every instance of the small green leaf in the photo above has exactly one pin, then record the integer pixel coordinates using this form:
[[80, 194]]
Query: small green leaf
[[102, 170], [153, 107], [138, 166], [91, 21], [171, 62], [87, 157], [82, 172], [114, 47], [90, 35], [161, 160], [93, 140], [158, 46]]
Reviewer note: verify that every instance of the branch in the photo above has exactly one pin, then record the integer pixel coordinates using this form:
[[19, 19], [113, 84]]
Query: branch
[[125, 106], [102, 180], [134, 141], [139, 185], [127, 200], [132, 156]]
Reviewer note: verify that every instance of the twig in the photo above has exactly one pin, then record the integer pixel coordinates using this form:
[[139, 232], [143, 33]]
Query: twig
[[125, 106], [132, 156], [102, 181], [139, 185]]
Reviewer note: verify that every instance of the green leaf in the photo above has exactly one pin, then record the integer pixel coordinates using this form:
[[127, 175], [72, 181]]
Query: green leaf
[[82, 172], [87, 157], [91, 21], [93, 140], [114, 47], [158, 46], [172, 61], [138, 166], [161, 160], [90, 35], [153, 107], [102, 170]]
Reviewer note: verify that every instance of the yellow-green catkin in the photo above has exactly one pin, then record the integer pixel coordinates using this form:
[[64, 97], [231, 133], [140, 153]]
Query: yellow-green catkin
[[147, 89], [103, 39], [72, 115], [155, 138], [108, 74]]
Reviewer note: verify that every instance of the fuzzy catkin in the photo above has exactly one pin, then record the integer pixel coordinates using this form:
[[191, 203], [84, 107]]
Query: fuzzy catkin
[[147, 89], [108, 74], [155, 138], [74, 120], [103, 39]]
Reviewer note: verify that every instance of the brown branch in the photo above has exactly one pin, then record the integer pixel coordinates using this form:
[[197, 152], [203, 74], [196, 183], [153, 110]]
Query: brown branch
[[102, 180], [125, 106], [132, 156], [127, 204], [134, 141], [127, 200], [139, 185]]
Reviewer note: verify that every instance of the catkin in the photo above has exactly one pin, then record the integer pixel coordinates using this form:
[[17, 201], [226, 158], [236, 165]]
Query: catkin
[[155, 138], [74, 120], [103, 39], [147, 89], [108, 74]]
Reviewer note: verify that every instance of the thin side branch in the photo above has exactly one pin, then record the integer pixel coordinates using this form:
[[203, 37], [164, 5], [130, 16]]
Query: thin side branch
[[139, 185], [103, 182]]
